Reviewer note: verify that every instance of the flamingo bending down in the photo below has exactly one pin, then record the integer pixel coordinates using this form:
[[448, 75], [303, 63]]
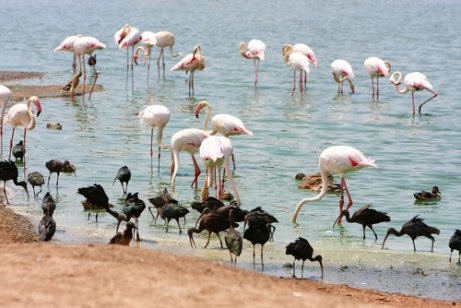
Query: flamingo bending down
[[413, 82], [337, 160], [306, 51], [341, 71], [215, 152], [5, 96], [128, 36], [68, 45], [190, 63], [21, 115], [298, 62], [188, 140], [155, 116], [85, 45], [376, 67], [255, 50], [161, 39]]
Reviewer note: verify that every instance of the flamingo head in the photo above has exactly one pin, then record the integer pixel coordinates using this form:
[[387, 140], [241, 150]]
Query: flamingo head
[[244, 53], [393, 79], [36, 102], [286, 49], [199, 107], [313, 59]]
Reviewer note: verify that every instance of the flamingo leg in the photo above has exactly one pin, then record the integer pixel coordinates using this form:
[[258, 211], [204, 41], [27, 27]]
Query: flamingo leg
[[372, 87], [74, 64], [148, 68], [127, 68], [413, 101], [377, 88], [158, 62], [132, 68], [192, 83], [96, 75], [11, 142], [197, 172], [163, 61], [221, 186], [158, 161], [84, 75], [349, 204], [420, 106], [24, 152], [294, 83], [301, 89], [305, 79]]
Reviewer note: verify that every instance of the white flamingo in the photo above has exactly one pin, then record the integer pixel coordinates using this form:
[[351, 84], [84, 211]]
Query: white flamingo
[[68, 45], [306, 51], [298, 62], [342, 70], [376, 67], [126, 37], [190, 63], [255, 50], [5, 96]]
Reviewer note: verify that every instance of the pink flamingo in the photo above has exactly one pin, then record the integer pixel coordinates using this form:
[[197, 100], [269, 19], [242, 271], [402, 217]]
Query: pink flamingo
[[5, 96], [187, 140], [376, 67], [298, 62], [68, 45], [161, 39], [85, 45], [306, 51], [21, 115], [413, 82], [128, 36], [337, 160], [215, 151], [190, 63], [255, 50], [342, 70], [155, 116]]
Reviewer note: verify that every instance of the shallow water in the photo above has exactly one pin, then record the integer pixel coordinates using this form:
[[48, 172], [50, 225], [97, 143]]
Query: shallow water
[[413, 153]]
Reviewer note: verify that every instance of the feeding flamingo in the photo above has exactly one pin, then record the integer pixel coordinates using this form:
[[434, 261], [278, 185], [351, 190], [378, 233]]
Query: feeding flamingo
[[190, 63], [128, 36], [21, 115], [413, 82], [161, 39], [155, 116], [187, 140], [376, 67], [215, 152], [5, 96], [306, 51], [68, 45], [341, 71], [298, 62], [337, 160], [85, 45], [255, 50]]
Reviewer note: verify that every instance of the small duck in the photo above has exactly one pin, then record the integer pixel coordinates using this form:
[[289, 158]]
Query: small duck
[[428, 196], [313, 182], [57, 126]]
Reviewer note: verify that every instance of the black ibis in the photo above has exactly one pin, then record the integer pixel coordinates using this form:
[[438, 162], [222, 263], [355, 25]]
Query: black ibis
[[414, 228], [48, 205], [47, 225], [428, 196], [233, 240], [158, 202], [172, 210], [124, 176], [96, 198], [366, 216], [134, 208], [455, 243], [18, 151], [300, 249], [9, 171], [125, 237], [58, 166], [36, 179]]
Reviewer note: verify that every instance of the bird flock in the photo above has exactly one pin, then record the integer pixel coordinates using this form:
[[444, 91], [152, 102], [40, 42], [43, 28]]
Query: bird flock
[[214, 149]]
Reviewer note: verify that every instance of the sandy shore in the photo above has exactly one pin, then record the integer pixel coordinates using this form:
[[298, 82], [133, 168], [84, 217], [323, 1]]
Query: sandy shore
[[39, 274]]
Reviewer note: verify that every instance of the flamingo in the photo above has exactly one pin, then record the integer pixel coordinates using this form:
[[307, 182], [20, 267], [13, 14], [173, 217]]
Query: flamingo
[[225, 124], [215, 151], [190, 63], [128, 36], [155, 116], [68, 45], [21, 115], [298, 62], [337, 160], [255, 50], [413, 82], [5, 96], [376, 67], [188, 140], [161, 39], [341, 71], [305, 50], [85, 45]]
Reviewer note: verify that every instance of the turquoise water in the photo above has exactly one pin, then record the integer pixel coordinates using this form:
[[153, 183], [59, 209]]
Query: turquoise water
[[413, 153]]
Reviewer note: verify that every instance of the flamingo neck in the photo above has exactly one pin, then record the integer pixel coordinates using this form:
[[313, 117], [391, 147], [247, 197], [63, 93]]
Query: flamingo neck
[[32, 122], [207, 118], [398, 82], [174, 167], [322, 193], [174, 55]]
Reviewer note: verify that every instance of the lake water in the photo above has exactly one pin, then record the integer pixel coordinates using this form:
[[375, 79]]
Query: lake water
[[413, 153]]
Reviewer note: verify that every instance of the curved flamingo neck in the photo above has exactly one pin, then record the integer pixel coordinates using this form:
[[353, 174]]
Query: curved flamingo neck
[[398, 82], [32, 122], [174, 167], [207, 118], [322, 193]]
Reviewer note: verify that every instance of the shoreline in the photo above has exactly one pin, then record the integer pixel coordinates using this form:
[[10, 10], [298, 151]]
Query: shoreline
[[48, 273]]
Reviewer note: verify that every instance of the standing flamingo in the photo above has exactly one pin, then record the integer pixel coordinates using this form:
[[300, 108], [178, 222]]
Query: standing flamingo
[[298, 62], [337, 160], [341, 71], [128, 36], [255, 50], [85, 45], [68, 45], [5, 96], [188, 140], [155, 116], [215, 152], [161, 39], [21, 114], [376, 67], [306, 51], [413, 82], [190, 63]]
